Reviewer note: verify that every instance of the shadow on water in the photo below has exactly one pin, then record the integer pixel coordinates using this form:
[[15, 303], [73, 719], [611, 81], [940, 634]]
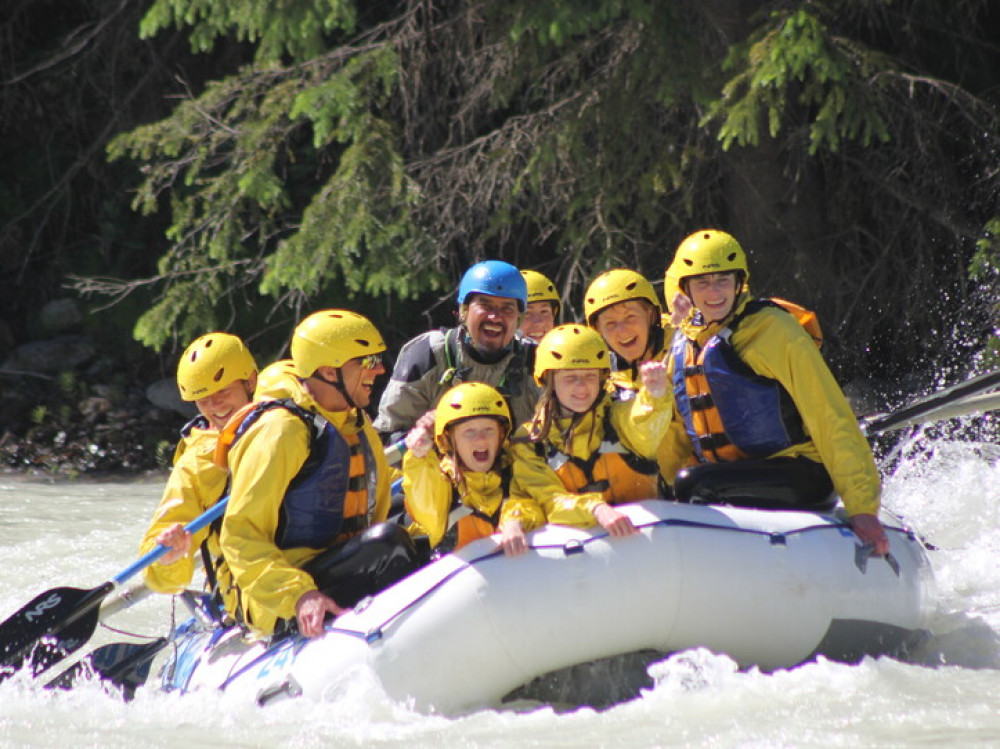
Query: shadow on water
[[960, 639]]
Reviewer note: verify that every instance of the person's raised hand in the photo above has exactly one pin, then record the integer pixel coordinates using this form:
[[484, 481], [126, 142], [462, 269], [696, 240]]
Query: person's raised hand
[[420, 439], [654, 377]]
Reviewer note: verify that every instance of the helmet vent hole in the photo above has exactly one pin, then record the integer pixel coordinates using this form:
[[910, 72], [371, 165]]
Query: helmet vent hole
[[208, 343], [362, 342], [731, 256], [689, 263], [630, 286], [557, 355], [219, 375], [600, 355]]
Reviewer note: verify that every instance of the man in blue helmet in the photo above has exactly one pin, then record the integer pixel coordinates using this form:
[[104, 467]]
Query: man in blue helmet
[[492, 297]]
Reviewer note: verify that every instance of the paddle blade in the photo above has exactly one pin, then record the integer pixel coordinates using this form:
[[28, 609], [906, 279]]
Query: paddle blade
[[58, 622], [123, 665]]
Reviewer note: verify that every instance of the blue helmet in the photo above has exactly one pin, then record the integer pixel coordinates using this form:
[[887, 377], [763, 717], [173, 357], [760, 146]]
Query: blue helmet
[[494, 278]]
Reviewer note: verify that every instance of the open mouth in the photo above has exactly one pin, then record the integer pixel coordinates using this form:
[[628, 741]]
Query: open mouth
[[481, 456], [222, 417], [494, 330], [715, 304], [629, 343]]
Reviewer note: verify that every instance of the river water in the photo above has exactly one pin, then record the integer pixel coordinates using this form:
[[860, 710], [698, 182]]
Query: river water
[[81, 534]]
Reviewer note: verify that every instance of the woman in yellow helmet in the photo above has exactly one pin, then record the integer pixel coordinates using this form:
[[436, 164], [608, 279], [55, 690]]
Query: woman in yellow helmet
[[219, 375], [542, 312], [587, 450], [761, 420], [622, 306], [456, 473]]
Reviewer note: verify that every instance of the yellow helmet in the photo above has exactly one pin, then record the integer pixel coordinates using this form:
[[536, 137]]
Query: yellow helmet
[[331, 338], [705, 251], [211, 363], [541, 289], [469, 400], [271, 377], [571, 347], [614, 286]]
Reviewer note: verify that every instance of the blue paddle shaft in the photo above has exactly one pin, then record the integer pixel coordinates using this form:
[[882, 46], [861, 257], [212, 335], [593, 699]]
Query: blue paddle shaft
[[212, 513]]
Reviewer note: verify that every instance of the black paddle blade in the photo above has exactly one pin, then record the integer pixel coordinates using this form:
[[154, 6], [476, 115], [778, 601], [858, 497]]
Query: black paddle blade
[[124, 665], [50, 627]]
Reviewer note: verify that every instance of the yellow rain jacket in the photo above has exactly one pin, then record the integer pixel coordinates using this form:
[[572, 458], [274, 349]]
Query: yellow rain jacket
[[194, 485], [263, 463], [428, 484], [773, 344], [623, 381], [641, 422]]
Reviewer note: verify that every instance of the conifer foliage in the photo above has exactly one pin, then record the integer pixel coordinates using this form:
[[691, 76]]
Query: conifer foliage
[[372, 150]]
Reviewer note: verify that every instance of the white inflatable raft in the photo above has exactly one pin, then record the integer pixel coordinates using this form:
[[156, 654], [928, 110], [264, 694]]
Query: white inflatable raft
[[770, 589]]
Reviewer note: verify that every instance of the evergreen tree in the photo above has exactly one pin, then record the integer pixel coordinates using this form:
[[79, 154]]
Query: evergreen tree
[[371, 151]]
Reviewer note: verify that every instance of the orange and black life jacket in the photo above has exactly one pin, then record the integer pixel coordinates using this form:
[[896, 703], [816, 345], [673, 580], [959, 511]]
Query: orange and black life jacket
[[730, 412], [466, 523], [332, 497], [614, 470]]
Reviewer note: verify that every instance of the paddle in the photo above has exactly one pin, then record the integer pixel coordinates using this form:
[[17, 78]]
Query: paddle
[[121, 664], [952, 401], [59, 621]]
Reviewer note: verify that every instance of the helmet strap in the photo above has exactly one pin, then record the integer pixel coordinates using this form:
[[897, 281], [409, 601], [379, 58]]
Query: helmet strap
[[339, 385]]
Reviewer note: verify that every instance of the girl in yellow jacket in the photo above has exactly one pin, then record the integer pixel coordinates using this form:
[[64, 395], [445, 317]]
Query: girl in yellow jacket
[[218, 374], [587, 450], [760, 419], [457, 471]]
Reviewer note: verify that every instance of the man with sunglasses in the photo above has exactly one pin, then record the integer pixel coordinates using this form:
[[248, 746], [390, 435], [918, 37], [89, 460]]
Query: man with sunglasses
[[309, 482], [492, 298]]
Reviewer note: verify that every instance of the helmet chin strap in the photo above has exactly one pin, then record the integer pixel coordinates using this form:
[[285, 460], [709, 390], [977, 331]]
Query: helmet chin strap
[[339, 385]]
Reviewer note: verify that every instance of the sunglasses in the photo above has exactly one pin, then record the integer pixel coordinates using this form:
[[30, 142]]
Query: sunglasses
[[372, 361]]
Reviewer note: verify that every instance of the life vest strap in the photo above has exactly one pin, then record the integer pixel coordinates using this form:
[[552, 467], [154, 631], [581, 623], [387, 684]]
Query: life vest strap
[[353, 525], [702, 402], [713, 441]]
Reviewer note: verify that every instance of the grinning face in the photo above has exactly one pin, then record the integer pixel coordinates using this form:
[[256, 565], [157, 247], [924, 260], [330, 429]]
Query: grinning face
[[477, 442], [219, 407], [539, 319], [577, 389], [625, 328], [358, 378], [491, 321], [713, 294]]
